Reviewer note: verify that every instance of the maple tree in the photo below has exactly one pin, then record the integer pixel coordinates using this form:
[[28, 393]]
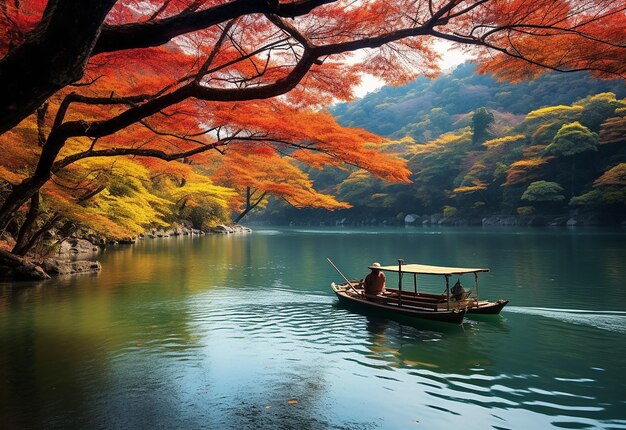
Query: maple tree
[[175, 79]]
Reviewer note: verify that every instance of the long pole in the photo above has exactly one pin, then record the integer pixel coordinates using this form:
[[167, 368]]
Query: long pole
[[400, 262], [476, 285], [342, 275], [448, 290]]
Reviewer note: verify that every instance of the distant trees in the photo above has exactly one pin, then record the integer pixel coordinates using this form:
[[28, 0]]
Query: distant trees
[[543, 192], [570, 143], [547, 162], [482, 119], [571, 140], [608, 190], [416, 108], [598, 108]]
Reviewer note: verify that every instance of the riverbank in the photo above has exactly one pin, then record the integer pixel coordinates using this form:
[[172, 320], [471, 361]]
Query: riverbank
[[75, 255], [559, 220]]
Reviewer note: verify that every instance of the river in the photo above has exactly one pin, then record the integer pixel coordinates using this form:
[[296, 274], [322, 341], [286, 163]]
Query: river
[[243, 331]]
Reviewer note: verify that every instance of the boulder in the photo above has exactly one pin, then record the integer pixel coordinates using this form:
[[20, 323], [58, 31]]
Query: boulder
[[75, 246], [238, 228], [220, 229], [411, 219], [228, 229], [64, 267]]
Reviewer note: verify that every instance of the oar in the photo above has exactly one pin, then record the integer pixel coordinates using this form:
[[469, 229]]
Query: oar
[[343, 276]]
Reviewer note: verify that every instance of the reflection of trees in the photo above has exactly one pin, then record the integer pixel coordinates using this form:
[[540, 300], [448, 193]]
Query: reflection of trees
[[40, 359], [60, 342]]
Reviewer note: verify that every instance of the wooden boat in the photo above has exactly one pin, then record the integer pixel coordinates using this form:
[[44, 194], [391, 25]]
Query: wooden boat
[[439, 307], [350, 296]]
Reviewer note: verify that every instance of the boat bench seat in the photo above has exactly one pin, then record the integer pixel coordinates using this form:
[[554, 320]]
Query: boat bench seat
[[376, 298]]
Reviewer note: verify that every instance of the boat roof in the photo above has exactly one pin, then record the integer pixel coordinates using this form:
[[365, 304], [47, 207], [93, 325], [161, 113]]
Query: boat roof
[[423, 269]]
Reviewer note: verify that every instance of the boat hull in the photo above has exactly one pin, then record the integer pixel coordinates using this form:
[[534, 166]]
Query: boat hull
[[391, 307], [489, 308], [473, 306]]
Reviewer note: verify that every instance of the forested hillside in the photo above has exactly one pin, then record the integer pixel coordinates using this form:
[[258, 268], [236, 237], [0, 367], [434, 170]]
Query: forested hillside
[[552, 148], [425, 108]]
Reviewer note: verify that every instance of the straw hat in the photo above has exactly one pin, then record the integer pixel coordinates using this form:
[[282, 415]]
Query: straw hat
[[375, 266]]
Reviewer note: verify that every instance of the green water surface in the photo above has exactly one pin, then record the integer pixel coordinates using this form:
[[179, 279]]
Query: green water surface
[[244, 332]]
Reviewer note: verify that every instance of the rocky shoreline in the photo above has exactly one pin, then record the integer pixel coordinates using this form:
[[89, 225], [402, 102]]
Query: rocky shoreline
[[76, 255], [573, 220]]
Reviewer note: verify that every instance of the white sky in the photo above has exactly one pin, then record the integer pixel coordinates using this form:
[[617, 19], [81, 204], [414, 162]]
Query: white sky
[[451, 58]]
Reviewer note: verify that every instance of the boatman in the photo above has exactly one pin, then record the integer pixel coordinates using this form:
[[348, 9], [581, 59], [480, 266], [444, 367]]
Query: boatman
[[374, 282], [457, 290]]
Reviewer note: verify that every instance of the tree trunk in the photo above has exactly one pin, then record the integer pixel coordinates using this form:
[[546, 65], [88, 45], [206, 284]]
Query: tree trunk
[[21, 194], [26, 229], [53, 55], [249, 204]]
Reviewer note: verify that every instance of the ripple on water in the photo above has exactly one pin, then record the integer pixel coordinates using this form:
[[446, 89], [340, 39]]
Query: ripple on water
[[614, 321]]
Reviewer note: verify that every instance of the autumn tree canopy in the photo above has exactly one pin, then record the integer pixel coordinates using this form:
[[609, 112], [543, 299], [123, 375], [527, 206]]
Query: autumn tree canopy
[[175, 79]]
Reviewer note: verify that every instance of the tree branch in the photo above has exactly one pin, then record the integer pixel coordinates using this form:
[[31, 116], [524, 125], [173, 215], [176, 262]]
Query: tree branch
[[155, 33]]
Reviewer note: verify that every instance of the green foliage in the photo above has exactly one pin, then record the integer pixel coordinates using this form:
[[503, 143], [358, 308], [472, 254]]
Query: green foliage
[[592, 198], [412, 109], [547, 151], [543, 191], [597, 108], [572, 139], [608, 189], [450, 211], [481, 121]]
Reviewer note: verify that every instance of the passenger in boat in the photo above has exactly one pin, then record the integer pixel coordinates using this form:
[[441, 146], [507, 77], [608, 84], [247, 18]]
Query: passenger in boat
[[457, 290], [374, 282]]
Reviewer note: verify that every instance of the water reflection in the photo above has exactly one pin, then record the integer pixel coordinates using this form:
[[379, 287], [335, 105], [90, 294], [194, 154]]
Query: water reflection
[[244, 332]]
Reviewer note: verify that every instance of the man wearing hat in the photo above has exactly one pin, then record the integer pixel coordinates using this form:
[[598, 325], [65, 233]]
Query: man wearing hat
[[374, 282]]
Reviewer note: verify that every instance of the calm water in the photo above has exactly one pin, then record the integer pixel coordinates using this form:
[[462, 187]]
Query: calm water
[[244, 332]]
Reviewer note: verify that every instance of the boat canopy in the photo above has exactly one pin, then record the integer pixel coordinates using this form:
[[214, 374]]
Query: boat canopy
[[423, 269]]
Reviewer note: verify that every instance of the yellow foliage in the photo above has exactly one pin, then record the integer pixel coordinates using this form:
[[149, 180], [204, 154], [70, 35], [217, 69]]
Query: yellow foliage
[[505, 140], [199, 189], [552, 112], [442, 142], [263, 169], [478, 185]]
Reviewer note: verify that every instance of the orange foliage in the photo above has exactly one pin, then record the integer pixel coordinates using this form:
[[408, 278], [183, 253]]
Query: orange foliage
[[263, 169], [524, 170], [252, 85], [614, 176], [613, 131], [559, 34], [477, 185]]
